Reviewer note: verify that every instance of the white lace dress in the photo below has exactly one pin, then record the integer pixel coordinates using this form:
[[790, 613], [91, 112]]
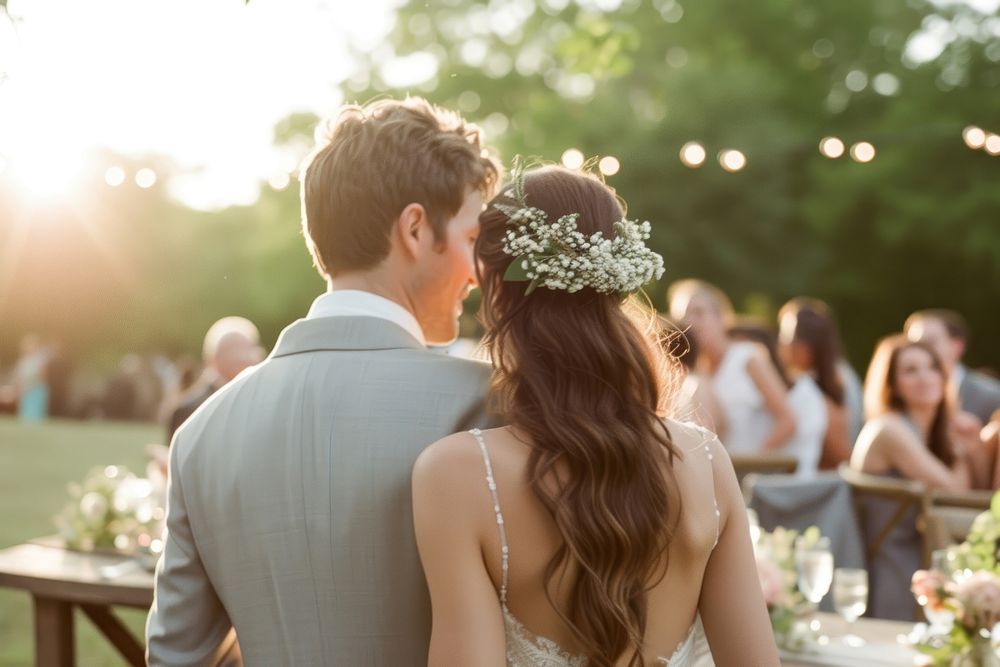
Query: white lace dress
[[525, 649]]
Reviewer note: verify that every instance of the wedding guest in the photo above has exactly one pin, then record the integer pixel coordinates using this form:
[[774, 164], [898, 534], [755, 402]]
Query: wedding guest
[[906, 436], [810, 349], [30, 384], [696, 400], [753, 397], [804, 399], [119, 398], [907, 433], [947, 332], [231, 345], [59, 373]]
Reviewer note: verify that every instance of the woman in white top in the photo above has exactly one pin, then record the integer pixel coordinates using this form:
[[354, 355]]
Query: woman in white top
[[753, 397], [810, 348], [590, 530]]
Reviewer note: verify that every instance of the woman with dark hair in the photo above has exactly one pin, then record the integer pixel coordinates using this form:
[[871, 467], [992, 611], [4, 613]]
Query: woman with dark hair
[[809, 346], [908, 415], [590, 529], [906, 436]]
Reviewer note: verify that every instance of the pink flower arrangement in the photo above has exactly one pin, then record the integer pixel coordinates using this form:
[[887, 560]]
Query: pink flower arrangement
[[978, 599], [929, 587]]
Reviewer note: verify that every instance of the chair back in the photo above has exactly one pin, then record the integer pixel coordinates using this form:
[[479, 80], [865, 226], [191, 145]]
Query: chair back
[[763, 464], [905, 493], [945, 526]]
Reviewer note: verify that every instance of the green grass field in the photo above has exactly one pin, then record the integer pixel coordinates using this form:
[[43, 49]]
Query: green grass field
[[36, 464]]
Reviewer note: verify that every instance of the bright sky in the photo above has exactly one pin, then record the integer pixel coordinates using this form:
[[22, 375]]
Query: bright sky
[[202, 81]]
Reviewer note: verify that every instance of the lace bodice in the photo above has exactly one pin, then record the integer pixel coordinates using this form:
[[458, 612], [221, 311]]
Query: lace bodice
[[525, 649]]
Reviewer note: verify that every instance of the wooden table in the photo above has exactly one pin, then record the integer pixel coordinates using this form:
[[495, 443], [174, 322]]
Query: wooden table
[[59, 579], [882, 649]]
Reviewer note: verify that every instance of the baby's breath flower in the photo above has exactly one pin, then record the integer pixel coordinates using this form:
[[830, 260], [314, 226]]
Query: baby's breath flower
[[557, 256]]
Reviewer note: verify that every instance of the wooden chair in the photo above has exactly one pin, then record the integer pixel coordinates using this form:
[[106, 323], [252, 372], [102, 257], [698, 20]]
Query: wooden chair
[[908, 495], [975, 499], [945, 526], [763, 464], [948, 516]]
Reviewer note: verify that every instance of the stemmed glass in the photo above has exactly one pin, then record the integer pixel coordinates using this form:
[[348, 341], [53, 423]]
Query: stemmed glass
[[814, 564], [850, 599]]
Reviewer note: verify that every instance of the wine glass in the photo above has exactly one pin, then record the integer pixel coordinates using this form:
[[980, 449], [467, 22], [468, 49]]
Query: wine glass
[[850, 599], [814, 564]]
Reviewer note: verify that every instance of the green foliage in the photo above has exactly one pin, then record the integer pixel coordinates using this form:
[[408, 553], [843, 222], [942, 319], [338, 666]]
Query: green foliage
[[914, 228]]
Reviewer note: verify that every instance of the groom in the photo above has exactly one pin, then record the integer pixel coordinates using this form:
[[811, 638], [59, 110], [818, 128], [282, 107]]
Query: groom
[[289, 521]]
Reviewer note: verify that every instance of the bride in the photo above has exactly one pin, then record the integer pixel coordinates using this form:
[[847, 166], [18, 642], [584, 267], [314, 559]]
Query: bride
[[589, 530]]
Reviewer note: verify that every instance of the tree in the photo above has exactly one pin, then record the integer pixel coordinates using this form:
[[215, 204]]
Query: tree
[[637, 80]]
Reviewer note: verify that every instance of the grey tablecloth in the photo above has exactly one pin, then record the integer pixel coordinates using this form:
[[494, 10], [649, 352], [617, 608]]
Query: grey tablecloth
[[823, 501]]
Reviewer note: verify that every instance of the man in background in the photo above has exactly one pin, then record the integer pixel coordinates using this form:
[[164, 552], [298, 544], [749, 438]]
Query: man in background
[[231, 345]]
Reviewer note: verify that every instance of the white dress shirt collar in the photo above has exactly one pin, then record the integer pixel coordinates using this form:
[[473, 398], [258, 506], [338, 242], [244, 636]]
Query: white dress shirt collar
[[358, 303]]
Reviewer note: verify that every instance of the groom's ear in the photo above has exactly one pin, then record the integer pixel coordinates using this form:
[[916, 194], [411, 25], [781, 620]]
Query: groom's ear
[[412, 228]]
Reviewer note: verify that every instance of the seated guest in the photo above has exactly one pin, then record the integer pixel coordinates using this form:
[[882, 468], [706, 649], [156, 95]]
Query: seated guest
[[810, 349], [804, 398], [906, 436], [753, 397], [231, 346], [947, 333]]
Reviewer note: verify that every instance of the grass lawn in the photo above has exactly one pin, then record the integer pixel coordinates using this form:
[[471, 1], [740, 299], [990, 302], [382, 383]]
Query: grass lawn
[[36, 464]]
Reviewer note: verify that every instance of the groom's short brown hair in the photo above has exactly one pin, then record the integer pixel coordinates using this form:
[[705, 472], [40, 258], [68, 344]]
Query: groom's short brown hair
[[375, 160]]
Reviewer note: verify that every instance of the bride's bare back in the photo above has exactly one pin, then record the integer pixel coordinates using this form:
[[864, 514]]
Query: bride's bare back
[[711, 568]]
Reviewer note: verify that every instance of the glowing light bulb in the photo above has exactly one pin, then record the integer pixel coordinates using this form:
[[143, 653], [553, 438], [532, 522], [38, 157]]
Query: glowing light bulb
[[831, 147], [732, 160], [862, 152], [693, 154], [609, 165], [572, 159]]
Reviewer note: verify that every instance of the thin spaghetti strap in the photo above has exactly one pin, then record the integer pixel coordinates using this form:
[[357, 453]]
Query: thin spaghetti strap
[[715, 501], [492, 484]]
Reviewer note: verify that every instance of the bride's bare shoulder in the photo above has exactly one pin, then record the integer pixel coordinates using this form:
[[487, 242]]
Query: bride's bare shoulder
[[688, 436], [450, 456]]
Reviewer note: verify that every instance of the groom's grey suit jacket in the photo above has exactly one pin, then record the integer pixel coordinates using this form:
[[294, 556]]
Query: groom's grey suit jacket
[[289, 502]]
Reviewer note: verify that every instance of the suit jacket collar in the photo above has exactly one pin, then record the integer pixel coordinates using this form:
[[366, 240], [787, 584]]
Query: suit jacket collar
[[343, 333]]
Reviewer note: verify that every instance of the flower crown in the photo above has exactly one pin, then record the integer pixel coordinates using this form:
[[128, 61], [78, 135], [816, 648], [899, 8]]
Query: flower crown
[[559, 257]]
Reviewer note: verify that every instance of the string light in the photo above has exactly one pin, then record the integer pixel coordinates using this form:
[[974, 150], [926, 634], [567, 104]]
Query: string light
[[862, 152], [609, 165], [974, 137], [145, 177], [992, 144], [732, 160], [114, 176], [831, 147], [572, 158], [693, 154]]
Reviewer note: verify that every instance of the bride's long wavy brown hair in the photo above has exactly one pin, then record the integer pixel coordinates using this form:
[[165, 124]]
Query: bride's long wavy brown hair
[[583, 381]]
